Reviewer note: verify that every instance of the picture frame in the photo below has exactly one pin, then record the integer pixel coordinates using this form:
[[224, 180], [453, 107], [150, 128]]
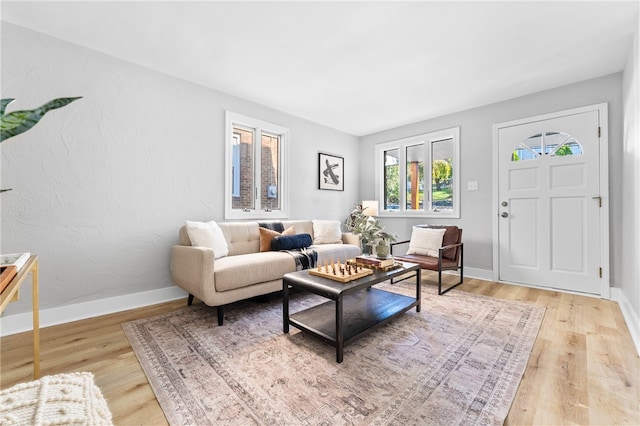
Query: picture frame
[[330, 172]]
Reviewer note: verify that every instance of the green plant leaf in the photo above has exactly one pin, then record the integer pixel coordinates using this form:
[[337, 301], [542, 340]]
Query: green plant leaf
[[17, 122], [4, 103]]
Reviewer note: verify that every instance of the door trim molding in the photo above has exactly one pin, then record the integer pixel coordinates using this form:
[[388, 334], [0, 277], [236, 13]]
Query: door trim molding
[[603, 117]]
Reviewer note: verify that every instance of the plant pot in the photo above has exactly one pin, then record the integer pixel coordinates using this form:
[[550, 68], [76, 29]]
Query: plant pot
[[367, 249], [382, 251]]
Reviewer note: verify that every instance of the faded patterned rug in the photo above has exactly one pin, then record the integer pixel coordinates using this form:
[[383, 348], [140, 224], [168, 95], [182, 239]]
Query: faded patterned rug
[[459, 361]]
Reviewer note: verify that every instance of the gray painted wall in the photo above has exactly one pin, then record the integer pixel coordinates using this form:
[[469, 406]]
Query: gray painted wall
[[101, 187], [477, 155]]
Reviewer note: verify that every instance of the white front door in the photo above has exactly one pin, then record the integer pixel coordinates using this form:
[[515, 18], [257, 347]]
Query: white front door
[[550, 202]]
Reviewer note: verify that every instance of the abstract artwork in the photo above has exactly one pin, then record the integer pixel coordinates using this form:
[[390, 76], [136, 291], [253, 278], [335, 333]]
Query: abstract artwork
[[331, 172]]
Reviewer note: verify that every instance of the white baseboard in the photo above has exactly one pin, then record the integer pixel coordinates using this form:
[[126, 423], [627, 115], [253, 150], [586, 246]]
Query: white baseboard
[[481, 274], [19, 323], [630, 317]]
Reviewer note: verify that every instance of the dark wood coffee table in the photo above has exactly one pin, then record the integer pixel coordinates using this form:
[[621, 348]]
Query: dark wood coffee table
[[358, 309]]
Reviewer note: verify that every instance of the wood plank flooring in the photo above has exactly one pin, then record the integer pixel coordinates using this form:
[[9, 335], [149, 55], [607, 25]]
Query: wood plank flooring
[[583, 369]]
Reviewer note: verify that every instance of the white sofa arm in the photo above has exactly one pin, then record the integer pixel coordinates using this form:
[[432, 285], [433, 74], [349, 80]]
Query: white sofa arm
[[350, 238], [192, 269]]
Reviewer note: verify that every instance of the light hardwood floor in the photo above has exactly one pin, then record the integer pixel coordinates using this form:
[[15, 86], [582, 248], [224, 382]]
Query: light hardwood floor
[[583, 369]]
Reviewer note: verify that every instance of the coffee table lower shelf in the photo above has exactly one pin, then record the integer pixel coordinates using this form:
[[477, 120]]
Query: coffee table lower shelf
[[362, 312]]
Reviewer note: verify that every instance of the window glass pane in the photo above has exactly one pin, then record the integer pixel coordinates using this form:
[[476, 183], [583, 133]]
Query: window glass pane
[[235, 167], [562, 144], [269, 175], [415, 177], [442, 175], [391, 180], [244, 198], [530, 149]]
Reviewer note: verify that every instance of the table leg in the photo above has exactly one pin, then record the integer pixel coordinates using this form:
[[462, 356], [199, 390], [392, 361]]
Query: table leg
[[339, 335], [36, 321], [285, 306], [418, 288]]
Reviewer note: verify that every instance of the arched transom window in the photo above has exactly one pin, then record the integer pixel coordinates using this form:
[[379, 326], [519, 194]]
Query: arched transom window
[[552, 144]]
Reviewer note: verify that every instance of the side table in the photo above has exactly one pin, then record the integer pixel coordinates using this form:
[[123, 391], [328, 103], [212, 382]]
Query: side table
[[11, 294]]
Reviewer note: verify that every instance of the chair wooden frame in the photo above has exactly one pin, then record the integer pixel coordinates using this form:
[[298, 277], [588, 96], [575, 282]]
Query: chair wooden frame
[[440, 263]]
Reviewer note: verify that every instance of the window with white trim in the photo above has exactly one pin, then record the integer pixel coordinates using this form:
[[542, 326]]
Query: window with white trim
[[255, 168], [419, 175]]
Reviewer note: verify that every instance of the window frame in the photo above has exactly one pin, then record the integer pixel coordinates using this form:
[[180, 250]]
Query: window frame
[[426, 139], [258, 127]]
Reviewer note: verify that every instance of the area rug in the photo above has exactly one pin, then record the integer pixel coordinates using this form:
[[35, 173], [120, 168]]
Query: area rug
[[459, 361]]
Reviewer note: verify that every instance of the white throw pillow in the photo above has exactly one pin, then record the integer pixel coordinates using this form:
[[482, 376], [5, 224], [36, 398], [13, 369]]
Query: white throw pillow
[[426, 241], [208, 234], [327, 232]]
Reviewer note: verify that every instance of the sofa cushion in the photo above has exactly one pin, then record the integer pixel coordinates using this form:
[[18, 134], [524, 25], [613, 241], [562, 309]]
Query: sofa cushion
[[327, 232], [302, 226], [243, 270], [426, 241], [266, 235], [208, 234], [242, 237], [291, 242]]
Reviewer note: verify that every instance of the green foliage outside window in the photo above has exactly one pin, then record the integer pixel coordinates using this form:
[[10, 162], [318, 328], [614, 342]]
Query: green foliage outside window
[[564, 150], [392, 184], [440, 172]]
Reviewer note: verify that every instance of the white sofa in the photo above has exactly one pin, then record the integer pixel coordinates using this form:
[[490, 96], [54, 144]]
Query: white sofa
[[245, 271]]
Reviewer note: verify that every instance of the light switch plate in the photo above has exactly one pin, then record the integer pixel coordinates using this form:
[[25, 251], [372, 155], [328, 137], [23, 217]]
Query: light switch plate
[[472, 185]]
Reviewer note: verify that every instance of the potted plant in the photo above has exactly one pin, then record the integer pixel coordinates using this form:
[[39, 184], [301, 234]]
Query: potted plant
[[370, 231], [383, 239], [16, 122]]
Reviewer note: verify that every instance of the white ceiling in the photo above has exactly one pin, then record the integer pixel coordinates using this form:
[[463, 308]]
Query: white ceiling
[[359, 67]]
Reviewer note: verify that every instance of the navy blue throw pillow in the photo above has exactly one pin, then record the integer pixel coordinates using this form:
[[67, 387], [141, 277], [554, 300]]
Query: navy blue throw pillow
[[290, 242]]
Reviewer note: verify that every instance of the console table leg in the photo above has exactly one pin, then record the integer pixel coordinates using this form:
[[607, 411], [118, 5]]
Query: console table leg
[[36, 321]]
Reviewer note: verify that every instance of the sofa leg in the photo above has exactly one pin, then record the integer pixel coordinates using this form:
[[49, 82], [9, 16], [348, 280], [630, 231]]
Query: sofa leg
[[190, 300], [220, 315]]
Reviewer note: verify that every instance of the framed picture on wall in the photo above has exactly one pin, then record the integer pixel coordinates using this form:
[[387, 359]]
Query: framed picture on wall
[[330, 172]]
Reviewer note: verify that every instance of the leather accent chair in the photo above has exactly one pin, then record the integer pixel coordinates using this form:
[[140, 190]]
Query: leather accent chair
[[450, 255]]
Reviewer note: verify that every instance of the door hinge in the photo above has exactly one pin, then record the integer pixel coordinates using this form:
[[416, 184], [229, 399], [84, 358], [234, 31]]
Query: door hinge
[[599, 131], [600, 272]]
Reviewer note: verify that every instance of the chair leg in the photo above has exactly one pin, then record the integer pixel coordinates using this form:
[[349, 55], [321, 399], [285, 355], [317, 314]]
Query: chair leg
[[440, 292], [190, 300], [220, 315]]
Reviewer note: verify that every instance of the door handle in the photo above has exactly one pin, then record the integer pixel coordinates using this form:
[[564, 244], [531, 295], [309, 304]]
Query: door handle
[[504, 214]]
